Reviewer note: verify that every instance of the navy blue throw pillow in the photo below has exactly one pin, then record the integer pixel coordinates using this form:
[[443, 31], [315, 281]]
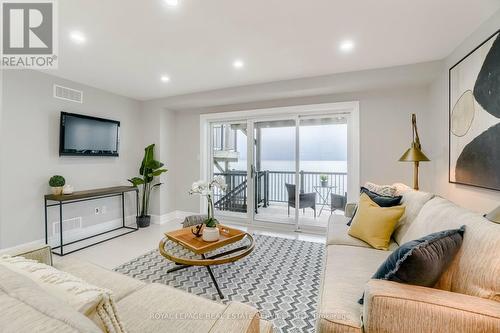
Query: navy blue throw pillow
[[421, 262], [381, 200]]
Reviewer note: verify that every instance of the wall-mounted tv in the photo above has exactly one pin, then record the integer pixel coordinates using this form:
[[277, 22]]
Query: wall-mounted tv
[[82, 135]]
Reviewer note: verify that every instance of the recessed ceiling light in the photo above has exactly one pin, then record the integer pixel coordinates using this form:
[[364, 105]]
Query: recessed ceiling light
[[347, 46], [172, 3], [238, 64], [164, 78], [77, 37]]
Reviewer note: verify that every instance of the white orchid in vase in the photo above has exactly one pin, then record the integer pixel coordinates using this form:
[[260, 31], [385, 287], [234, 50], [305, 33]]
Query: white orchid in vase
[[206, 189]]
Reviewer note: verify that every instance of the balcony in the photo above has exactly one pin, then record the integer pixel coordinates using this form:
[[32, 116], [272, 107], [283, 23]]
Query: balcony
[[272, 197], [275, 149]]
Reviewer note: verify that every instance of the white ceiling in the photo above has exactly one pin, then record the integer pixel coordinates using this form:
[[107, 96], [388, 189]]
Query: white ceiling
[[131, 43]]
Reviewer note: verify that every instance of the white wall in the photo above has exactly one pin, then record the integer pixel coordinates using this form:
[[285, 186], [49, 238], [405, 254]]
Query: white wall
[[385, 133], [187, 125], [392, 93], [387, 98], [159, 127], [173, 124], [29, 135], [476, 199], [29, 153]]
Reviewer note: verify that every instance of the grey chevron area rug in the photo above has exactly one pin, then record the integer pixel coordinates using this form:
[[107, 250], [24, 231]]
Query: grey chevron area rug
[[281, 278]]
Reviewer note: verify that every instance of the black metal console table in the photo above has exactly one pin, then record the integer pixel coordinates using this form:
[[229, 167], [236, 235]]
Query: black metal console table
[[80, 196]]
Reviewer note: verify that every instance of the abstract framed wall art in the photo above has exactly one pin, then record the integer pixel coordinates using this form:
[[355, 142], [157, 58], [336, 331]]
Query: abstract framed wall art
[[474, 117]]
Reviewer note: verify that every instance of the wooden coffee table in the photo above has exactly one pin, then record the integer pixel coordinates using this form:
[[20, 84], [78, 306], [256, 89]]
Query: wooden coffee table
[[186, 250]]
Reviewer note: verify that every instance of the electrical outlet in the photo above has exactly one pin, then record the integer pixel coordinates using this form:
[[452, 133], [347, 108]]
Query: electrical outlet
[[103, 210], [97, 211]]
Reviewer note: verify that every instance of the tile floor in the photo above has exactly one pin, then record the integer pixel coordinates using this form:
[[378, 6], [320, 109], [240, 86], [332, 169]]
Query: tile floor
[[117, 251]]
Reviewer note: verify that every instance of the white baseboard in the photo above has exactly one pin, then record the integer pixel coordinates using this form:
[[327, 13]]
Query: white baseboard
[[182, 214], [162, 219], [73, 235], [98, 228], [170, 217]]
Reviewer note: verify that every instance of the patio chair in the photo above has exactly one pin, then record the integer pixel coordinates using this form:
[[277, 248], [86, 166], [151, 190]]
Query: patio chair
[[338, 202], [306, 200]]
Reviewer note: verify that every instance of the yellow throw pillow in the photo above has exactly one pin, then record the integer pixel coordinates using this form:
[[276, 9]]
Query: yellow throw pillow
[[374, 224]]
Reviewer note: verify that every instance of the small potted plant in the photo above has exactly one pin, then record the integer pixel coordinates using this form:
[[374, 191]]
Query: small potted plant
[[56, 184], [150, 168], [210, 231], [324, 180]]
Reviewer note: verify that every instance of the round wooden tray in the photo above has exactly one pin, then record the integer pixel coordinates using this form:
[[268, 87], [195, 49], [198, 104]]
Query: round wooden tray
[[230, 253]]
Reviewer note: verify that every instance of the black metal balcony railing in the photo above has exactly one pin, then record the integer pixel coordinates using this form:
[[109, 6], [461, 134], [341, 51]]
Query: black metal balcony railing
[[270, 187]]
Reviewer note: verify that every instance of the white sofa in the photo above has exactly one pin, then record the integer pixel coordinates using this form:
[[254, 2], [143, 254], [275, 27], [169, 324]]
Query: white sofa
[[141, 307], [466, 299]]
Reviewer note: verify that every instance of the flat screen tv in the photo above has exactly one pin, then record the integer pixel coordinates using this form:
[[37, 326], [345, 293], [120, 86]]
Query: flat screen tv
[[82, 135]]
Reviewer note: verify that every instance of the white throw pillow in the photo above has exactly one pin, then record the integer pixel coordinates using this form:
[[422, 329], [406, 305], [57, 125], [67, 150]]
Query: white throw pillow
[[401, 188], [94, 302], [385, 190], [414, 201]]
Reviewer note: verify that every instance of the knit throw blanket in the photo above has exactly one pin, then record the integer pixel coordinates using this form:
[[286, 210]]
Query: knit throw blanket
[[94, 302]]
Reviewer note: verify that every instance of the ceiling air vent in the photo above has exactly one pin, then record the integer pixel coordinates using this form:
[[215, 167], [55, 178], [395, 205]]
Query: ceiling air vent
[[68, 94]]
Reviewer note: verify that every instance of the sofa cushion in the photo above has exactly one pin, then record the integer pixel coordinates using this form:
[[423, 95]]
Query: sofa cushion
[[94, 302], [476, 268], [238, 317], [160, 308], [119, 284], [402, 308], [374, 224], [25, 307], [338, 234], [413, 201], [39, 252], [347, 270], [422, 261]]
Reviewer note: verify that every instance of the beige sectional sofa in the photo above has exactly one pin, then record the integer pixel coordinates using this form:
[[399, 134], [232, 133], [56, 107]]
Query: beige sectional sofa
[[141, 307], [466, 299]]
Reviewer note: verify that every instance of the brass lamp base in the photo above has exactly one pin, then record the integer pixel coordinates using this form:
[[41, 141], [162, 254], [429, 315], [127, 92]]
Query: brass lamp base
[[415, 176]]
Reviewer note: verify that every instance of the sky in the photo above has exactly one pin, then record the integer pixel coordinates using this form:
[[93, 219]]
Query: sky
[[317, 143]]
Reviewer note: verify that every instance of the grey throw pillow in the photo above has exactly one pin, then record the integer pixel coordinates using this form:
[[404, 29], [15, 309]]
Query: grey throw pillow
[[193, 220], [422, 261]]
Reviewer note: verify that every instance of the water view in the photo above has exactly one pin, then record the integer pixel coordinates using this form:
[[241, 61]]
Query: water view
[[310, 166]]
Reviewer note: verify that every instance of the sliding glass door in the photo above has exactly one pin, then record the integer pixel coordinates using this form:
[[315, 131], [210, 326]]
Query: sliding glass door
[[322, 168], [274, 163], [283, 170]]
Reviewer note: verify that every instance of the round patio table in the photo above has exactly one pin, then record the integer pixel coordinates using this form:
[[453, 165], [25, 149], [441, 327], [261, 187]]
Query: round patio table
[[324, 199]]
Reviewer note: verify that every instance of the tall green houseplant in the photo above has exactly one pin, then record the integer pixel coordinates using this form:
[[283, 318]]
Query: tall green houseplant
[[150, 168]]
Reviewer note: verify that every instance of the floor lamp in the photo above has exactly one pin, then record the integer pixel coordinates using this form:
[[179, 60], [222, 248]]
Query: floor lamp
[[414, 153]]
